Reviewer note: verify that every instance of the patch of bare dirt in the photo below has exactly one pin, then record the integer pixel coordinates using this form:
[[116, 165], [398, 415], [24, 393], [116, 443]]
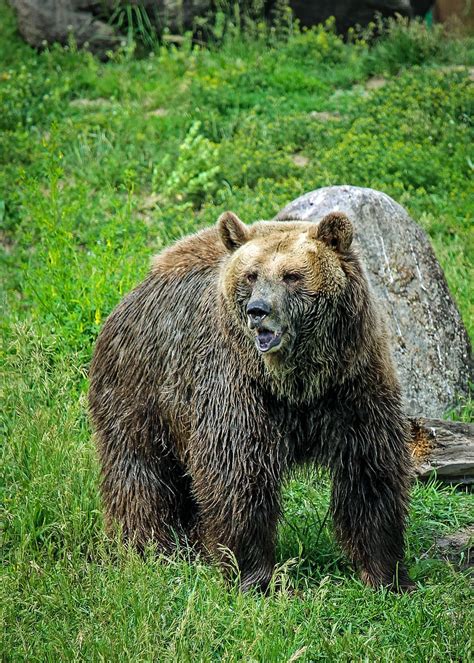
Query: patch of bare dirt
[[325, 116], [447, 69], [89, 103], [299, 160], [157, 112], [376, 83]]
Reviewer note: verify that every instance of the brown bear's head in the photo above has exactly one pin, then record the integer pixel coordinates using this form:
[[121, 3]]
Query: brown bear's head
[[284, 281]]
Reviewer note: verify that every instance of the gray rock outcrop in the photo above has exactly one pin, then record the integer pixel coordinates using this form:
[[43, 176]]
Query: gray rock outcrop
[[430, 343], [49, 21]]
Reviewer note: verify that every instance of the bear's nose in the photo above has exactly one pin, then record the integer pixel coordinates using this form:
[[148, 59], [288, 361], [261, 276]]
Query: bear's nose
[[257, 311]]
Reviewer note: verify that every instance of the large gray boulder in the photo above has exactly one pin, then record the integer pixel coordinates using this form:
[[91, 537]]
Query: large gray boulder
[[430, 344]]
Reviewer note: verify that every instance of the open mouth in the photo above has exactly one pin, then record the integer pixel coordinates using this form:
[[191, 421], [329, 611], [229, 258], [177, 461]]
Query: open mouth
[[267, 340]]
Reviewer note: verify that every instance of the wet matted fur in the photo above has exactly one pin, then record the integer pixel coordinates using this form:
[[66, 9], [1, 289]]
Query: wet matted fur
[[248, 350]]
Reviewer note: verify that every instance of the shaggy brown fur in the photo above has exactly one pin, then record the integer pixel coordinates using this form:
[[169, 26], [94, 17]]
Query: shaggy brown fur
[[246, 351]]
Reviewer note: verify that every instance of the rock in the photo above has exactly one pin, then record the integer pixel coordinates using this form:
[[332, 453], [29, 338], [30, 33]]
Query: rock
[[42, 22], [47, 21], [444, 449], [348, 13], [457, 14], [430, 343], [457, 548]]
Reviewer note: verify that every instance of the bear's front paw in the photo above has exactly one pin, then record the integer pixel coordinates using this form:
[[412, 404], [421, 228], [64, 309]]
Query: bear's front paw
[[399, 581]]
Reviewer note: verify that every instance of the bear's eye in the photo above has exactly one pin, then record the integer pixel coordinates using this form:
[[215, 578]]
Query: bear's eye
[[291, 277], [251, 277]]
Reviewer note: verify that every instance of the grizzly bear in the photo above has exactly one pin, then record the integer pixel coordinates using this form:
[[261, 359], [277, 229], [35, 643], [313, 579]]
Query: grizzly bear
[[247, 351]]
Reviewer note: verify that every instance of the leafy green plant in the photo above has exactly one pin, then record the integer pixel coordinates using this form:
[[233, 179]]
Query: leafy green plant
[[193, 176]]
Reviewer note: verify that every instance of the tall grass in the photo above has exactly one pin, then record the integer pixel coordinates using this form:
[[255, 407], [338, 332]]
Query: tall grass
[[104, 164]]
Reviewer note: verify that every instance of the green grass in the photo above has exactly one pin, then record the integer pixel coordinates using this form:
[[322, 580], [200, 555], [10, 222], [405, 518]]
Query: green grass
[[103, 165]]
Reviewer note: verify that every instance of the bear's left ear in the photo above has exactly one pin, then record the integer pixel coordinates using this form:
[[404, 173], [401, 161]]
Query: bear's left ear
[[336, 231], [232, 231]]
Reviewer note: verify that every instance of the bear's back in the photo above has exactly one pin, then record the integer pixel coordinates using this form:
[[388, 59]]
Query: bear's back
[[200, 252], [161, 328]]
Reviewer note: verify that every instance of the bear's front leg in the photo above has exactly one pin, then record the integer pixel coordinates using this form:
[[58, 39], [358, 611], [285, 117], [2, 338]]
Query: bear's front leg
[[371, 475], [239, 513]]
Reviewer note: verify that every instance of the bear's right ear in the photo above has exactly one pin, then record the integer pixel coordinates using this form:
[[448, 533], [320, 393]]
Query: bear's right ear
[[232, 231]]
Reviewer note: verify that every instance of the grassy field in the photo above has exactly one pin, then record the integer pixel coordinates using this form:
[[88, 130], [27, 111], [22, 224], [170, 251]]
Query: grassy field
[[101, 166]]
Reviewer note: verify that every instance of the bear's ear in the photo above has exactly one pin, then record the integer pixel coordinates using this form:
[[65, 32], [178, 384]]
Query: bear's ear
[[232, 231], [336, 231]]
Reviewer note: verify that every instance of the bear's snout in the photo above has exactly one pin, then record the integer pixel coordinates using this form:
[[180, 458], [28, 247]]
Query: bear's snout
[[257, 310], [268, 330]]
